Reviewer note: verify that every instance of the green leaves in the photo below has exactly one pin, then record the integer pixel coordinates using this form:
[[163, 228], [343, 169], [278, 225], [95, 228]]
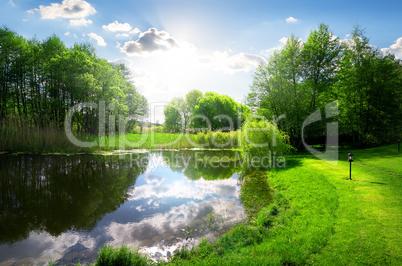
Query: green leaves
[[301, 78], [41, 80]]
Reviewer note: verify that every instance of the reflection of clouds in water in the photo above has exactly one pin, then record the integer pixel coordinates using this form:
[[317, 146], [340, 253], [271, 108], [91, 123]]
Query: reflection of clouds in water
[[151, 178], [49, 247], [197, 190], [173, 221]]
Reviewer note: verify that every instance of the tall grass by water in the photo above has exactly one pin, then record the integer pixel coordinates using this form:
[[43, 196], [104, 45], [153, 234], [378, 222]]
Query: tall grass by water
[[14, 138], [17, 138]]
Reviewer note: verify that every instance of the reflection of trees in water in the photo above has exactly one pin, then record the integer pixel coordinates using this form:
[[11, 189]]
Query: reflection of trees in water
[[59, 193], [255, 193], [209, 165]]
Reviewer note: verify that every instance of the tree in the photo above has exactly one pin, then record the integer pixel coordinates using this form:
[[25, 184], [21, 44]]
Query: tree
[[189, 105], [41, 80], [278, 89], [320, 62], [173, 115], [221, 111], [369, 92]]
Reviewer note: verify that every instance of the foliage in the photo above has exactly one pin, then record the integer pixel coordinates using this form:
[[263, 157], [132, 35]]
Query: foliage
[[260, 139], [173, 118], [41, 80], [218, 112], [301, 78], [370, 93], [123, 256]]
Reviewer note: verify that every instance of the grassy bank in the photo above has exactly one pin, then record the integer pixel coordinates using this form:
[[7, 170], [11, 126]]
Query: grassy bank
[[52, 140], [319, 216]]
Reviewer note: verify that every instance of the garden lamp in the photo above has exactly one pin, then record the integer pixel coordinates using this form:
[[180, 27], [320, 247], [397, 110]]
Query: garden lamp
[[350, 160]]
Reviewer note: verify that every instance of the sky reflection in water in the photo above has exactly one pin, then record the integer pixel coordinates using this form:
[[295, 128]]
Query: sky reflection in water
[[153, 212]]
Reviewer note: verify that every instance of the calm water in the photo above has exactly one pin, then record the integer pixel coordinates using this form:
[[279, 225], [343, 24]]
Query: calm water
[[65, 208]]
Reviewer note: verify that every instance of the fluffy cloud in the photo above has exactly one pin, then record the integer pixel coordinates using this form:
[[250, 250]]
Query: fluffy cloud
[[230, 64], [80, 22], [100, 41], [135, 31], [291, 20], [395, 48], [150, 42], [117, 26], [73, 9]]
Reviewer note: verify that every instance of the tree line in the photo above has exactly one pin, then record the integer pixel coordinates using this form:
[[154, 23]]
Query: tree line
[[204, 112], [41, 80], [304, 77]]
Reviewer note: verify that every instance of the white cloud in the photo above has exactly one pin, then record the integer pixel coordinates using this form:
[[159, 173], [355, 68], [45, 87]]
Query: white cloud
[[100, 41], [11, 3], [25, 19], [117, 26], [150, 42], [230, 64], [283, 40], [67, 33], [135, 31], [67, 9], [291, 20], [124, 35], [395, 48], [80, 22]]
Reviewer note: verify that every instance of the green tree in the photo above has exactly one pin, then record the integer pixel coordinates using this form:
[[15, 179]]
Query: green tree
[[369, 92], [221, 111], [278, 89], [173, 115], [320, 61], [189, 105]]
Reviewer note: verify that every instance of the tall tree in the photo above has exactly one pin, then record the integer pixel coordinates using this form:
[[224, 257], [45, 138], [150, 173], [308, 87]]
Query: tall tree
[[189, 104]]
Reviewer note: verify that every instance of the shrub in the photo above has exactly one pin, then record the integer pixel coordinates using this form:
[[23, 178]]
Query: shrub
[[259, 138], [121, 256], [158, 129]]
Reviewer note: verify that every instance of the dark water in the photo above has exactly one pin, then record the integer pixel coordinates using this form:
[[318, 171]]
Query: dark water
[[65, 208]]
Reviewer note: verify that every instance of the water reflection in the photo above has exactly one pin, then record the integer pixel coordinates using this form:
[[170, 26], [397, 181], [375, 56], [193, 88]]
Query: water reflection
[[60, 193], [255, 191], [66, 207]]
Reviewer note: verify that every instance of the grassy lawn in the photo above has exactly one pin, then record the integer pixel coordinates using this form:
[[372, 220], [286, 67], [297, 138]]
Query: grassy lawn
[[323, 217]]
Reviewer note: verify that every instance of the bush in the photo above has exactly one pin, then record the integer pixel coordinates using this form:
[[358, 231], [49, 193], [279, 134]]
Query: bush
[[260, 138], [158, 129], [121, 256]]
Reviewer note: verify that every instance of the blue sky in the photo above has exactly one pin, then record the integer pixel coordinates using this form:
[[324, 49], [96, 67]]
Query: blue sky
[[173, 47]]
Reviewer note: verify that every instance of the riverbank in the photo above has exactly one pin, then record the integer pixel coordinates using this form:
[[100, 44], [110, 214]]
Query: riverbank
[[53, 141], [319, 216]]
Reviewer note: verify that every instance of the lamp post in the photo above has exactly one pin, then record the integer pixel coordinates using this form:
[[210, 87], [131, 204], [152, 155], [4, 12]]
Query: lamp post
[[399, 142], [350, 159]]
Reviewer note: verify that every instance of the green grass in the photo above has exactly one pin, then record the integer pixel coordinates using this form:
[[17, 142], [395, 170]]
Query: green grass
[[321, 217], [123, 256], [52, 140]]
